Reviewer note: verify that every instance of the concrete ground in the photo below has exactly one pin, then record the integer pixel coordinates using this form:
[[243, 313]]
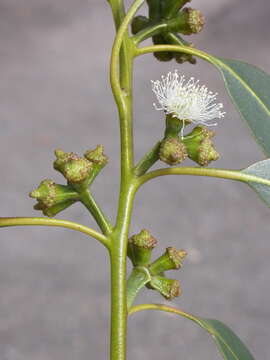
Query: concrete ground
[[54, 283]]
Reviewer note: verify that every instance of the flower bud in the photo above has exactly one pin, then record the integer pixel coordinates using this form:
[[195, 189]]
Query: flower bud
[[168, 288], [139, 23], [172, 151], [140, 247], [180, 57], [55, 209], [170, 260], [162, 55], [49, 195], [189, 21], [97, 156], [200, 147], [75, 169]]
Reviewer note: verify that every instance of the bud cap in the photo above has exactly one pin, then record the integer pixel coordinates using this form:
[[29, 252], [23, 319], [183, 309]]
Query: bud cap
[[140, 247], [97, 156], [172, 151]]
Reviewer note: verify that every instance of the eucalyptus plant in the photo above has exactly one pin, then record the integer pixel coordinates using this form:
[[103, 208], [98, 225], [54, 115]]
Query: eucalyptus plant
[[190, 110]]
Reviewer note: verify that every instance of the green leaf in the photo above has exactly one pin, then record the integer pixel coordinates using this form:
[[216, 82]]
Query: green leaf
[[229, 344], [260, 169], [249, 88]]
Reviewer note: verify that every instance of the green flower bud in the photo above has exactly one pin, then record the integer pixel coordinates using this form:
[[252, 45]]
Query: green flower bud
[[176, 39], [200, 147], [97, 156], [162, 55], [139, 23], [181, 58], [170, 260], [55, 209], [75, 169], [189, 21], [168, 288], [53, 198], [172, 151], [140, 247], [49, 194]]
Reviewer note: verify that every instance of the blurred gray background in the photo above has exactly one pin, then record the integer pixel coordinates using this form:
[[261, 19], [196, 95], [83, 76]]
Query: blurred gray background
[[54, 283]]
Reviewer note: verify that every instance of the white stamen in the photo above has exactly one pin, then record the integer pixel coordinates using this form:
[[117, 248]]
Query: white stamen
[[186, 100]]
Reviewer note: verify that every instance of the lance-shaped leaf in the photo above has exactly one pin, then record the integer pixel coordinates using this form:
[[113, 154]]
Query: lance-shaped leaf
[[249, 88], [260, 169], [228, 343]]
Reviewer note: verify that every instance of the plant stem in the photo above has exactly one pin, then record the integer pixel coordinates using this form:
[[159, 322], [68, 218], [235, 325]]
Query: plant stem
[[90, 203], [121, 82], [121, 73], [218, 173], [148, 160], [36, 221], [139, 277], [177, 48], [118, 11], [118, 272], [161, 307], [149, 31]]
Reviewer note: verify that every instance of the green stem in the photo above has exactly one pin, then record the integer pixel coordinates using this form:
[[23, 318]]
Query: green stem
[[176, 48], [149, 32], [119, 240], [173, 7], [35, 221], [123, 52], [118, 11], [165, 308], [139, 277], [218, 173], [175, 39], [149, 159], [90, 203]]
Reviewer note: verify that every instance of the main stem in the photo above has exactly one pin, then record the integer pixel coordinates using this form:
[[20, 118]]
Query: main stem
[[119, 236]]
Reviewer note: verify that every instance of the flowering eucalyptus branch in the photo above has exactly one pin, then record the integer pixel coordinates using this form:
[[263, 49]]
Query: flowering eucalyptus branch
[[184, 104]]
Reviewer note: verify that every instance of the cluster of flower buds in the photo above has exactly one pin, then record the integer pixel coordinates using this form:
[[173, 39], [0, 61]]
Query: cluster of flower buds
[[200, 146], [79, 172], [197, 145], [178, 21], [140, 247]]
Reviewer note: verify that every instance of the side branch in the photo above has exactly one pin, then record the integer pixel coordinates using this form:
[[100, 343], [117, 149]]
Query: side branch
[[121, 82], [160, 307], [90, 203], [36, 221], [218, 173], [116, 87], [176, 48]]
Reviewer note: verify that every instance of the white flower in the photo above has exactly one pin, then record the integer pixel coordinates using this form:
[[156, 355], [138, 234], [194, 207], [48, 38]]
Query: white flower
[[186, 100]]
